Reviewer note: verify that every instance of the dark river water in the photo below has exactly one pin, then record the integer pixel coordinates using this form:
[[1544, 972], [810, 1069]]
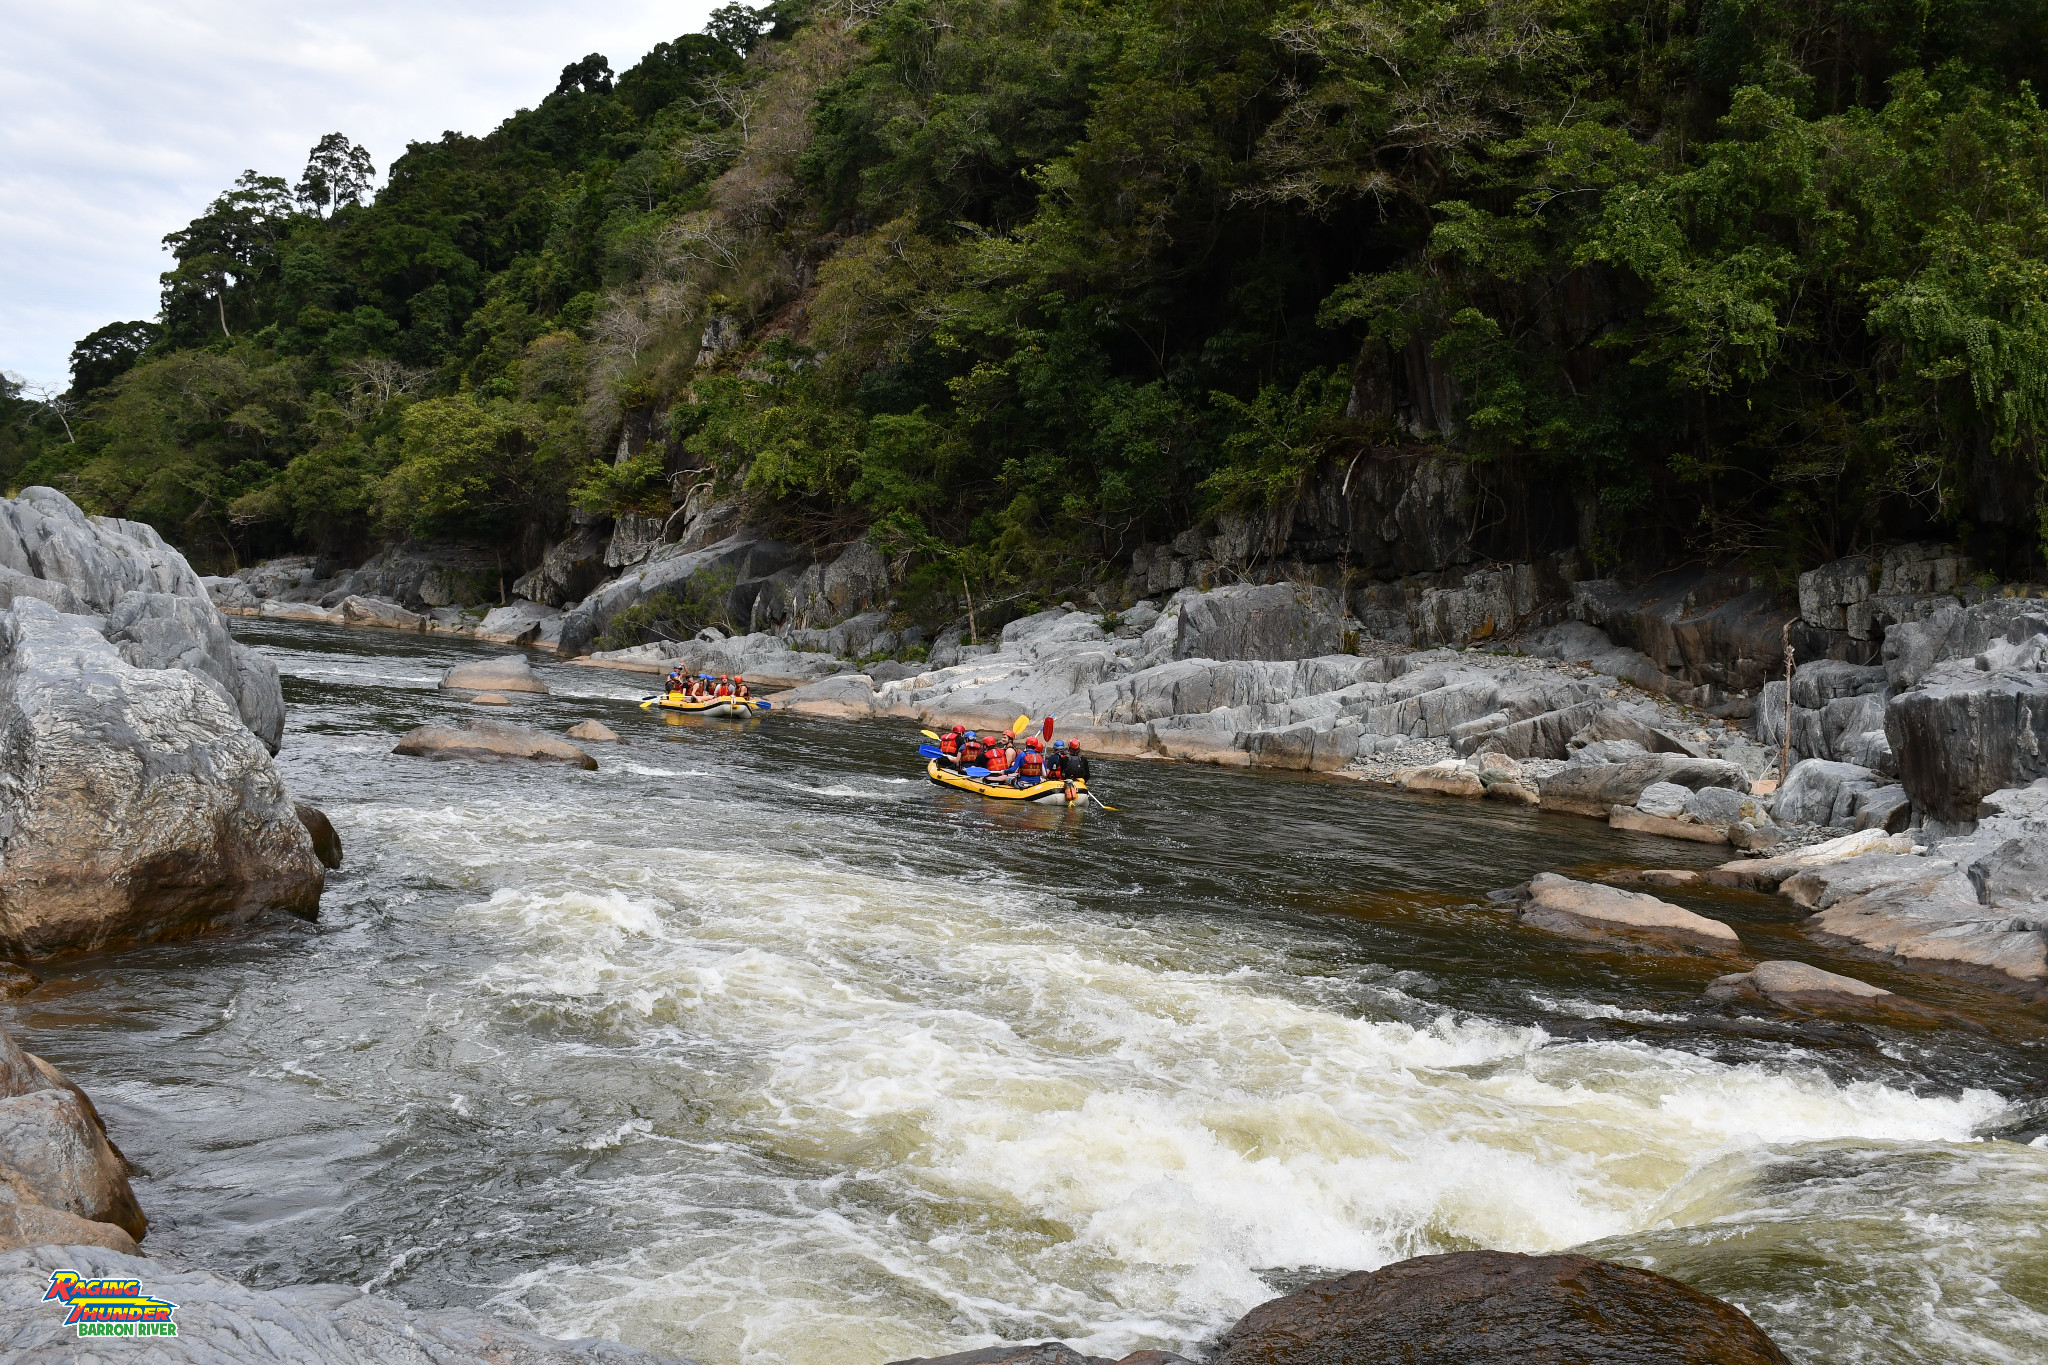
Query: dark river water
[[754, 1046]]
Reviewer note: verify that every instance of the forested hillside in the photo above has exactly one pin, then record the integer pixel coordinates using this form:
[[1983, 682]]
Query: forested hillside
[[1016, 286]]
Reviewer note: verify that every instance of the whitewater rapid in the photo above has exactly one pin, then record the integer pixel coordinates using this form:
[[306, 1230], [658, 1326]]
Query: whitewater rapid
[[749, 1046]]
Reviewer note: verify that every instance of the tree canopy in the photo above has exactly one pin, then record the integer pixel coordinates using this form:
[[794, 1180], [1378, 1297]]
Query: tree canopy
[[1015, 286]]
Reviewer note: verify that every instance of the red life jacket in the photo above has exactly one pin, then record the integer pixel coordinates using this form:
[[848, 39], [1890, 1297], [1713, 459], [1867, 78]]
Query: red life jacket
[[971, 753], [1031, 765], [948, 745]]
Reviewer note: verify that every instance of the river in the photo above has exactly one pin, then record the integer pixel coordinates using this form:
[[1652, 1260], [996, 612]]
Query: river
[[754, 1046]]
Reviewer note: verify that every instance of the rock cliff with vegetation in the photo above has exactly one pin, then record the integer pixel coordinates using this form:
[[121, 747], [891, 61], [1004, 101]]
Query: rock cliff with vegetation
[[1023, 292]]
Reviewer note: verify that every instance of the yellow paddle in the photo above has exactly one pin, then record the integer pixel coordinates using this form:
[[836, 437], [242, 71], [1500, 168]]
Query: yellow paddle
[[929, 734], [1020, 725]]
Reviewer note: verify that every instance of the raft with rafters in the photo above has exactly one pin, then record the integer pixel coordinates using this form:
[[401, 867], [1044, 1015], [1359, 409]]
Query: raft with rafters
[[705, 706], [1048, 792]]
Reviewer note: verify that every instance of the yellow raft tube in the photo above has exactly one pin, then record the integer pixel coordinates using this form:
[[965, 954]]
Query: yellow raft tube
[[1049, 792], [705, 706]]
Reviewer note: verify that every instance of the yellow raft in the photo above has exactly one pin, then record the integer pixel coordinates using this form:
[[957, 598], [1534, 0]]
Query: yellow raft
[[1053, 792], [706, 706]]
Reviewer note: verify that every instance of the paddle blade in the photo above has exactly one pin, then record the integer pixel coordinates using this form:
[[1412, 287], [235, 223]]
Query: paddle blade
[[1046, 734], [929, 734], [975, 772], [765, 705], [1021, 724], [927, 751]]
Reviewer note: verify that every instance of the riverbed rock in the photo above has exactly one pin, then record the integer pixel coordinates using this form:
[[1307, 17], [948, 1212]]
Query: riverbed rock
[[1824, 793], [491, 741], [221, 1322], [1497, 1308], [54, 1152], [326, 843], [529, 624], [1269, 621], [381, 613], [1604, 913], [594, 732], [570, 568], [1452, 777], [1766, 874], [1596, 789], [1663, 798], [1806, 989], [32, 1225], [512, 673], [1973, 726], [152, 604], [1635, 820], [135, 802]]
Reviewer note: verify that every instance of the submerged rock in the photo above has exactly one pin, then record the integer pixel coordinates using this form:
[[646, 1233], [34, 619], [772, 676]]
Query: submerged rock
[[1590, 911], [56, 1165], [1498, 1308], [512, 673], [326, 843], [594, 732], [490, 741], [221, 1322], [1806, 989], [133, 802]]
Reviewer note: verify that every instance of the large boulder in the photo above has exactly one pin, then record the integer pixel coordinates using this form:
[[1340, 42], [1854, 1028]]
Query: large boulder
[[1596, 789], [1970, 727], [154, 606], [1974, 904], [418, 575], [55, 1159], [1818, 792], [1498, 1308], [1803, 988], [568, 571], [1272, 621], [133, 802], [1588, 910], [490, 741], [510, 673], [221, 1322]]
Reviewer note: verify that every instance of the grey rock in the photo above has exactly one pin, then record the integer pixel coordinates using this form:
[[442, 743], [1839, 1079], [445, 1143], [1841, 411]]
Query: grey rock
[[1824, 793], [1604, 913], [1605, 751], [418, 575], [568, 571], [54, 1151], [1800, 986], [132, 801], [634, 537], [1612, 723], [738, 567], [1724, 808], [1816, 684], [594, 732], [1594, 790], [1274, 621], [1974, 726], [378, 612], [1547, 735], [221, 1322], [531, 624], [1667, 799], [490, 741], [1885, 808], [511, 673]]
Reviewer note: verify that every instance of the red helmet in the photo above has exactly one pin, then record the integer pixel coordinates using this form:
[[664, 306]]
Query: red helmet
[[1075, 745], [1034, 744], [959, 729]]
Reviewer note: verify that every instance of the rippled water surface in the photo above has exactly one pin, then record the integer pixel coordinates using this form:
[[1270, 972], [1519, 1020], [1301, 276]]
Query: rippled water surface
[[754, 1046]]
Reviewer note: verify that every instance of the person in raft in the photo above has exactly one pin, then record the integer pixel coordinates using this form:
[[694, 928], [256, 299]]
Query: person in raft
[[1031, 763], [972, 751], [1067, 765], [740, 688], [675, 680], [949, 746]]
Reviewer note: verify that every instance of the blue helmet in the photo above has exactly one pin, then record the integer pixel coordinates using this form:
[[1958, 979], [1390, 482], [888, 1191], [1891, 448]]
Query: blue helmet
[[972, 735]]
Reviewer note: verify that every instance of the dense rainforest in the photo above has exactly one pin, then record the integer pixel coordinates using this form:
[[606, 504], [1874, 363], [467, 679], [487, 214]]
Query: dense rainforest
[[1015, 286]]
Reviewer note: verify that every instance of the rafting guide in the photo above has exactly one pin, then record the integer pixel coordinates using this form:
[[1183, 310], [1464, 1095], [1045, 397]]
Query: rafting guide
[[111, 1308]]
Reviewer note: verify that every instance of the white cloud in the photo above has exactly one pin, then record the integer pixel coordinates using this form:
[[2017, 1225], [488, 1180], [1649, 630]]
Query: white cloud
[[120, 120]]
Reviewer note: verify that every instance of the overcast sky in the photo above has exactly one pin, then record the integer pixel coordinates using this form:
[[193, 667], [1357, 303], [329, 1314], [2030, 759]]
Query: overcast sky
[[120, 120]]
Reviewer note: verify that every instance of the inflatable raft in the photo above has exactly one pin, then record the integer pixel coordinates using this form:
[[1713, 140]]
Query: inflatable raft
[[1053, 793], [706, 706]]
